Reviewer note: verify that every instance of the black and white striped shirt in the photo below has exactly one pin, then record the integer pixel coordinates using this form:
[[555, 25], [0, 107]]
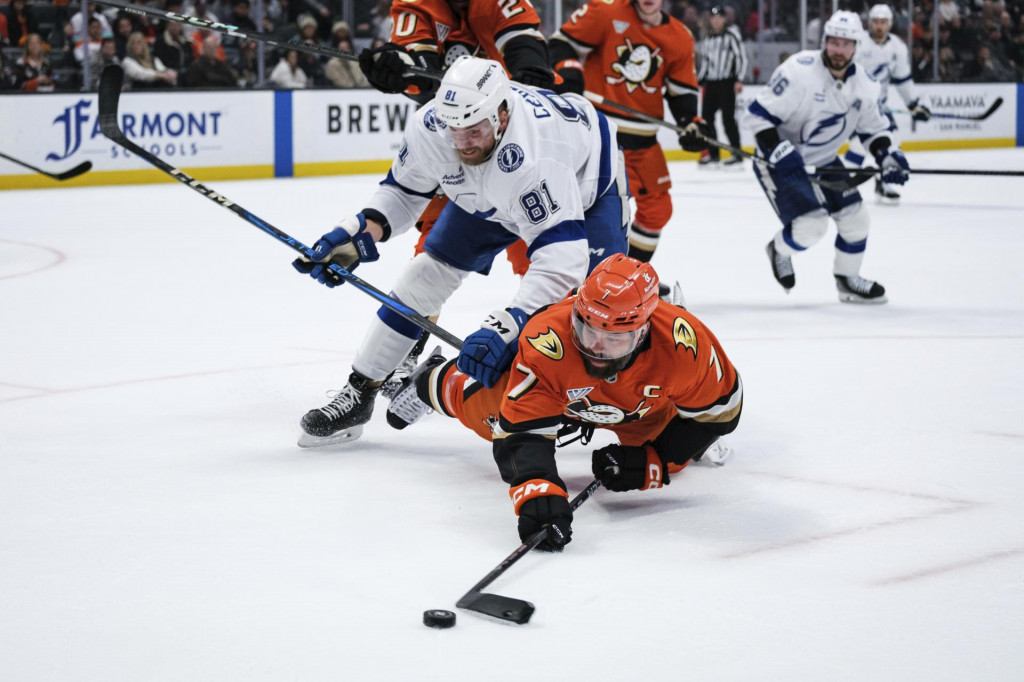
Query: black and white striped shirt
[[722, 56]]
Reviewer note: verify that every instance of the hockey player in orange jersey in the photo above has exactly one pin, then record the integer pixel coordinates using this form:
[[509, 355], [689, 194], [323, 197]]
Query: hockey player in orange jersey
[[611, 355], [633, 53]]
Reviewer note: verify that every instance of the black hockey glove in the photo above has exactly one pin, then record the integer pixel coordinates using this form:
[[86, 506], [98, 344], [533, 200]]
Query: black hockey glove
[[919, 111], [692, 139], [627, 467], [385, 67], [542, 503], [535, 77]]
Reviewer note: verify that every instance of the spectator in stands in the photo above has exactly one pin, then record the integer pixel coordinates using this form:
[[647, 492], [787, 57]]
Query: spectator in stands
[[32, 71], [287, 75], [172, 49], [921, 64], [949, 13], [20, 23], [123, 29], [210, 70], [247, 65], [310, 63], [3, 29], [8, 80], [378, 24], [239, 17], [345, 73], [339, 31], [984, 68], [101, 60], [141, 70], [80, 26], [86, 48]]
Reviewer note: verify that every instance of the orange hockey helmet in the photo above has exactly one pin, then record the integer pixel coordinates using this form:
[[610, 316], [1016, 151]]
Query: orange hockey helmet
[[614, 306]]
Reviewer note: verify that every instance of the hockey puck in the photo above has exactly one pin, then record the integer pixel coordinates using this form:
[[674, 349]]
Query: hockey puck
[[438, 618]]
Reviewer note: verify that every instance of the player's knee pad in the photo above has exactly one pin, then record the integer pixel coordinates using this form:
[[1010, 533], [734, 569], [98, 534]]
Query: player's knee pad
[[426, 283], [806, 230], [853, 223]]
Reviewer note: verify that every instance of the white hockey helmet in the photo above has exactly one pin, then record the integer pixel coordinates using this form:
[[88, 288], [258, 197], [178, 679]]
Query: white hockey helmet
[[843, 24], [472, 91], [880, 11]]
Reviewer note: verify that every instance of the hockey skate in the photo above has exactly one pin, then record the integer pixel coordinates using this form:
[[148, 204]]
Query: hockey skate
[[394, 380], [782, 267], [342, 419], [856, 289], [716, 455], [673, 294], [406, 407], [733, 163], [708, 163], [885, 195]]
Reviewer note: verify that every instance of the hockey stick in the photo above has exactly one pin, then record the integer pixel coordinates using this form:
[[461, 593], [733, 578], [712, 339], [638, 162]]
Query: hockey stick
[[960, 117], [919, 171], [509, 608], [253, 35], [66, 175], [736, 151], [110, 92]]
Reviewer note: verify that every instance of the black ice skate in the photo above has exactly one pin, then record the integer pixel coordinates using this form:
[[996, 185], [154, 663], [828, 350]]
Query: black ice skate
[[708, 163], [885, 195], [406, 406], [782, 267], [394, 380], [733, 163], [856, 289], [341, 419]]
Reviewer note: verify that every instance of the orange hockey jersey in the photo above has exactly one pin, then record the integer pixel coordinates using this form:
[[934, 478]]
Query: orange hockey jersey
[[628, 62], [682, 371], [485, 27]]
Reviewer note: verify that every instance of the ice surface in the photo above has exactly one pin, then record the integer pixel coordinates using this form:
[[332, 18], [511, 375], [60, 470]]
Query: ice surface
[[158, 522]]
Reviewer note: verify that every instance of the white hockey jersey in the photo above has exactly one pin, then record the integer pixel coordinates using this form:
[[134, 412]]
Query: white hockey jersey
[[555, 158], [816, 111], [887, 63]]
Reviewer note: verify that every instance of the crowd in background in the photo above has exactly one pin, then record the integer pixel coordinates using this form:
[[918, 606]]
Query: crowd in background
[[43, 45]]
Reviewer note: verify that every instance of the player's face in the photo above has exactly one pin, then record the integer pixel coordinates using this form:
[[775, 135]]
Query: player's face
[[604, 353], [475, 143], [839, 52], [879, 28], [648, 7]]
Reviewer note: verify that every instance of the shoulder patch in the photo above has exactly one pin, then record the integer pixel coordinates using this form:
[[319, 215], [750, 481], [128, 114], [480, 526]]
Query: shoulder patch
[[683, 335], [548, 344], [805, 60], [429, 120], [510, 157]]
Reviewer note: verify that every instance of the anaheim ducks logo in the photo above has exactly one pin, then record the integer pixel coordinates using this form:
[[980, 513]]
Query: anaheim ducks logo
[[683, 335], [635, 66], [548, 344], [603, 413]]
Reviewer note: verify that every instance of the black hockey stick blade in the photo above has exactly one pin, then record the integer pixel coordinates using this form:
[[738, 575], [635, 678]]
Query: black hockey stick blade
[[503, 608], [109, 95], [66, 175], [509, 608]]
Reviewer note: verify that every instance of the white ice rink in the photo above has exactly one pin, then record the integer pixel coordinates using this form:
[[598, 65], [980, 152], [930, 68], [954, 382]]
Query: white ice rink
[[158, 522]]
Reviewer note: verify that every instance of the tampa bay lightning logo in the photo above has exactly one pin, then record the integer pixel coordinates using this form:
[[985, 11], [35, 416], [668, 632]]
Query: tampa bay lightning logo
[[510, 157], [430, 120], [822, 131]]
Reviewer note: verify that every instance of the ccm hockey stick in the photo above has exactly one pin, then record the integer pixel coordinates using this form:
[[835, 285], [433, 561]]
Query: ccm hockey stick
[[961, 117], [110, 92], [66, 175], [509, 608], [252, 35], [598, 99], [919, 171]]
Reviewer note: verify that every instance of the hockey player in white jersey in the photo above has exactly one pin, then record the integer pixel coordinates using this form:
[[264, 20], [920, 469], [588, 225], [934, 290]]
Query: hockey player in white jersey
[[516, 162], [885, 58], [813, 103]]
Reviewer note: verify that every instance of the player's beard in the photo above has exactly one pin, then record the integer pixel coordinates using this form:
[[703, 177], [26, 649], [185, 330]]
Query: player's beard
[[479, 155], [605, 369], [833, 66]]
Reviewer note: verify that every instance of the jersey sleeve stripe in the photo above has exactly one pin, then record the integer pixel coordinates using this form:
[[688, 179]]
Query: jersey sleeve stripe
[[565, 231], [722, 409], [758, 110], [390, 180]]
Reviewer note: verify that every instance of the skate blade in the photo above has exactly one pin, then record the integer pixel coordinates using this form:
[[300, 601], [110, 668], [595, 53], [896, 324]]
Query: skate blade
[[853, 298], [717, 455], [733, 168], [342, 437]]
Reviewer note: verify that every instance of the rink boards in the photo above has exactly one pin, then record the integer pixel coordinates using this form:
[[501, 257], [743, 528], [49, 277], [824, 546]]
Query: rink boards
[[218, 135]]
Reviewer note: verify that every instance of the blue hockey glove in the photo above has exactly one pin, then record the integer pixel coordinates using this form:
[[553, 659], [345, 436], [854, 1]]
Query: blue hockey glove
[[787, 165], [895, 168], [919, 111], [346, 245], [489, 351]]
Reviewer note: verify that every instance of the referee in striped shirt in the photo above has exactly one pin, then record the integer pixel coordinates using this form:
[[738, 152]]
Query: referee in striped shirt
[[723, 62]]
